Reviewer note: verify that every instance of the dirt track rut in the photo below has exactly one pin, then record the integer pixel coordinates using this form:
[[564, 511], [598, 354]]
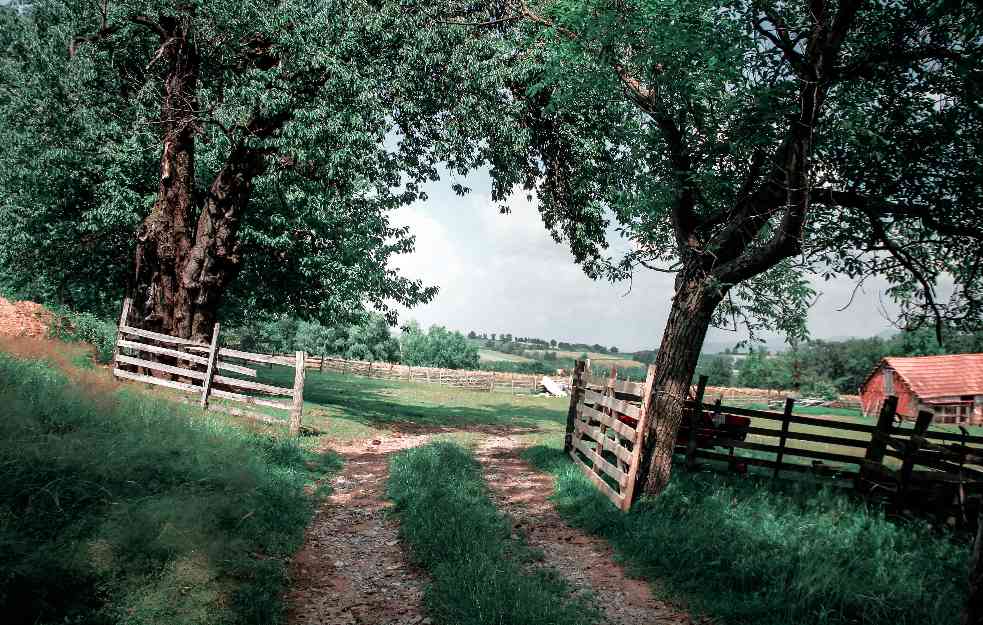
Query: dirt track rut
[[352, 568], [585, 561]]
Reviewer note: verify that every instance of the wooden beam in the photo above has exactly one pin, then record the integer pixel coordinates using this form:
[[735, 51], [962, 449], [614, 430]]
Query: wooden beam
[[163, 338], [586, 413], [158, 366], [253, 386], [210, 370], [605, 488], [618, 405], [297, 409], [136, 377], [164, 351], [634, 465], [249, 399]]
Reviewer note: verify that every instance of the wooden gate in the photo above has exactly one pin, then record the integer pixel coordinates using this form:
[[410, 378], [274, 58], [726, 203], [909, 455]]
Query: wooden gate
[[606, 425], [194, 369]]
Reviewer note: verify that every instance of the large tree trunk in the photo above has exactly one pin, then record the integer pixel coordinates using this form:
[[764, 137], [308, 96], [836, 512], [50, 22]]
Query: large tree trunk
[[183, 267], [164, 240], [689, 319]]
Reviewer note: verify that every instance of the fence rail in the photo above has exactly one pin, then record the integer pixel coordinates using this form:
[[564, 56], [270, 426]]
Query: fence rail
[[457, 378], [192, 368], [912, 466]]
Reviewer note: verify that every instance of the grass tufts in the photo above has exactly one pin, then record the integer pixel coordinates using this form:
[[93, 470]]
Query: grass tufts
[[118, 508], [753, 551], [480, 575]]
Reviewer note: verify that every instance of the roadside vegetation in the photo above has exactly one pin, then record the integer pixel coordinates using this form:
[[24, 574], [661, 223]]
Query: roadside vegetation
[[480, 573], [750, 551], [118, 507]]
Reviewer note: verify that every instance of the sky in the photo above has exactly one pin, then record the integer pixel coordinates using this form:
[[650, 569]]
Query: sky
[[504, 273]]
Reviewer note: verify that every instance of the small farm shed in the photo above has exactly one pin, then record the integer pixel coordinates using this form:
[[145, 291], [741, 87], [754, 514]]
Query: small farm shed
[[950, 387]]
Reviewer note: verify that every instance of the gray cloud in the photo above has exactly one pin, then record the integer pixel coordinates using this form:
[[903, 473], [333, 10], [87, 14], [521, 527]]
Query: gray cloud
[[504, 273]]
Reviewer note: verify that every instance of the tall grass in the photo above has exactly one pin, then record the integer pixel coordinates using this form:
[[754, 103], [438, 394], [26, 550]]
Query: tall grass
[[752, 551], [480, 574], [118, 509]]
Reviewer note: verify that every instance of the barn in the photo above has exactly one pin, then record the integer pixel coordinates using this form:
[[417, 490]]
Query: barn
[[950, 387]]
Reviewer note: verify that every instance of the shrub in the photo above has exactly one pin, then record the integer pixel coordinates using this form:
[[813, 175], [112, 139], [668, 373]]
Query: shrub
[[85, 327]]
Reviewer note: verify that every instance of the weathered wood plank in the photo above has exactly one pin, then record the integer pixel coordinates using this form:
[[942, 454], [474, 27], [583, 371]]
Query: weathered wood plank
[[590, 414], [157, 366], [608, 444], [778, 416], [620, 386], [136, 377], [253, 386], [617, 474], [605, 488], [618, 405], [228, 366], [235, 353], [163, 351], [248, 399], [163, 338], [812, 438]]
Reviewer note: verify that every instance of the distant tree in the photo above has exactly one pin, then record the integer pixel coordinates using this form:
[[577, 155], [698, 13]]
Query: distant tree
[[493, 336], [437, 347], [613, 350], [472, 335], [718, 369], [553, 343]]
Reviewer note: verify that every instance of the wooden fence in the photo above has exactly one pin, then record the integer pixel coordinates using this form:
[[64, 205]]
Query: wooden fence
[[935, 471], [599, 437], [457, 378], [194, 368], [912, 466]]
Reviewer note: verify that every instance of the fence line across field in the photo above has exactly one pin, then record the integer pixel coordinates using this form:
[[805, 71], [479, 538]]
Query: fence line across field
[[457, 378], [195, 368]]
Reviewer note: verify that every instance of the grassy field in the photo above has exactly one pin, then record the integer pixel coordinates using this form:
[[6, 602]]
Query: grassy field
[[761, 552], [345, 407], [605, 360], [120, 508], [480, 574], [490, 355]]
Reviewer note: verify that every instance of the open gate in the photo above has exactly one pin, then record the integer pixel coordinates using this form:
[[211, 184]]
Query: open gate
[[606, 424]]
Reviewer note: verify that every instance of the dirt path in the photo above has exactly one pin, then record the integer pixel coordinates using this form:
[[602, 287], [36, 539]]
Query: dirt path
[[585, 561], [352, 568]]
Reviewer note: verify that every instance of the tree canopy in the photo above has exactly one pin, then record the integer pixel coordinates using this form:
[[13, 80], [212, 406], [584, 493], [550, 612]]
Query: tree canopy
[[250, 153], [742, 146]]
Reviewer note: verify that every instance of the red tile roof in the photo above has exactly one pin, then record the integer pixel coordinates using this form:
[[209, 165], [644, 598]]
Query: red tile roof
[[940, 376]]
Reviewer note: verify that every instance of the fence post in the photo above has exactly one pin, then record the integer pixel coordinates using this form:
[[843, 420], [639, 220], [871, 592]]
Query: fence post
[[298, 406], [786, 415], [123, 318], [576, 389], [911, 452], [321, 366], [641, 430], [885, 422], [878, 440], [206, 385], [694, 420]]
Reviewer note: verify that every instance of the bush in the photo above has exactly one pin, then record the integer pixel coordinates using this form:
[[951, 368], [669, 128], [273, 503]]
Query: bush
[[479, 575], [115, 508], [77, 327], [751, 551]]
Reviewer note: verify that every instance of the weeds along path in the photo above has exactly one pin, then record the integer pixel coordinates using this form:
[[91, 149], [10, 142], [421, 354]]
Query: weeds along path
[[585, 561], [352, 568]]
